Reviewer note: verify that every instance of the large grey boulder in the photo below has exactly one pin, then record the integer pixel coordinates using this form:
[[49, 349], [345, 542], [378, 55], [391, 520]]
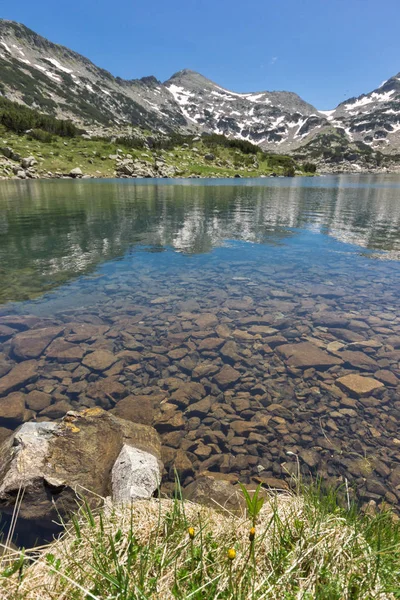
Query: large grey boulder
[[29, 161], [92, 454], [77, 172], [135, 475]]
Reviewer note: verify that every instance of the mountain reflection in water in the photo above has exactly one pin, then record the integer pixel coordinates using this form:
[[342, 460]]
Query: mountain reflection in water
[[52, 231]]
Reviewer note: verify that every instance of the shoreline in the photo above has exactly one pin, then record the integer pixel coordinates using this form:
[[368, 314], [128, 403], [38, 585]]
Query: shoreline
[[41, 177]]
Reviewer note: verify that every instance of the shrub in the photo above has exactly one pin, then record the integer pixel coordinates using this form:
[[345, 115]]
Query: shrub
[[309, 167], [289, 171], [130, 141], [41, 136], [20, 118], [244, 146]]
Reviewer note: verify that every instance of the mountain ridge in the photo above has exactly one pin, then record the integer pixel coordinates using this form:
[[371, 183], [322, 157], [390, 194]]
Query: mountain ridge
[[57, 80]]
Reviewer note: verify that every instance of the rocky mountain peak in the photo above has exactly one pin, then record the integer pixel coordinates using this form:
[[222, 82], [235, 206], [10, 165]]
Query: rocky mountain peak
[[58, 81]]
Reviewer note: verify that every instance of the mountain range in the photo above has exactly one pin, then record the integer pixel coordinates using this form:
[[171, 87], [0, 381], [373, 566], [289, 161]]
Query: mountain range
[[58, 81]]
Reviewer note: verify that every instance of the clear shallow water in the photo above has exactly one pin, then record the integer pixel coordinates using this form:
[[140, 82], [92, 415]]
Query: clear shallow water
[[180, 279]]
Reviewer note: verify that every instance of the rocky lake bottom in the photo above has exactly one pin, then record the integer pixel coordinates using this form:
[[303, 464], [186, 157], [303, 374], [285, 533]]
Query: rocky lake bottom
[[255, 325]]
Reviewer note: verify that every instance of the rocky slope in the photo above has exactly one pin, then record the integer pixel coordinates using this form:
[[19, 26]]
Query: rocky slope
[[269, 119], [372, 118], [58, 81]]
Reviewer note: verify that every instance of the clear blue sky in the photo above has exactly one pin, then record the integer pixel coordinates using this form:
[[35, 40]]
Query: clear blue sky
[[325, 50]]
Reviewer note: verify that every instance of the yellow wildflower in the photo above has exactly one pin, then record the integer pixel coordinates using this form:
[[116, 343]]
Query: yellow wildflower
[[231, 553], [191, 532], [252, 534]]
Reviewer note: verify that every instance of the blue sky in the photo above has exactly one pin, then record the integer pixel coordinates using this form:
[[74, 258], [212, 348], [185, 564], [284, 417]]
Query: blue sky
[[324, 50]]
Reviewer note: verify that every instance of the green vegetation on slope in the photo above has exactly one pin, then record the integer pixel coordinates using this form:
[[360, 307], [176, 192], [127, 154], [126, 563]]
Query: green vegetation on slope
[[58, 146], [19, 119], [332, 146], [56, 154]]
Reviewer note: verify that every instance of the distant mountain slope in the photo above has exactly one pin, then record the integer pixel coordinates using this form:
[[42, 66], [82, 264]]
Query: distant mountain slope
[[54, 79], [372, 118], [58, 81]]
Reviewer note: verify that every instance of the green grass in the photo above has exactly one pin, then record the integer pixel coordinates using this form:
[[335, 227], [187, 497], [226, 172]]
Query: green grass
[[305, 545], [92, 156]]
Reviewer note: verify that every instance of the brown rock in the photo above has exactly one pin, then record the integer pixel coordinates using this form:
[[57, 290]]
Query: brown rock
[[99, 360], [394, 477], [204, 370], [188, 393], [173, 438], [394, 340], [279, 410], [210, 343], [263, 330], [5, 433], [387, 377], [330, 319], [37, 400], [63, 351], [347, 335], [229, 477], [6, 332], [64, 458], [5, 367], [178, 353], [199, 409], [216, 493], [20, 322], [202, 451], [19, 376], [182, 464], [271, 482], [138, 409], [13, 411], [32, 343], [223, 331], [77, 388], [275, 340], [310, 457], [306, 354], [206, 320], [56, 410], [359, 360], [81, 332], [242, 428], [358, 385], [169, 418], [229, 351], [376, 487], [227, 376], [107, 387]]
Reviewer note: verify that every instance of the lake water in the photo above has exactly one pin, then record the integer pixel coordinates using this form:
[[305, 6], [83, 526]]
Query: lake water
[[233, 309]]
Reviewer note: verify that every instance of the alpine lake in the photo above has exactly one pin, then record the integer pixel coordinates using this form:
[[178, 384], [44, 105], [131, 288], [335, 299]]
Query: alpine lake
[[255, 322]]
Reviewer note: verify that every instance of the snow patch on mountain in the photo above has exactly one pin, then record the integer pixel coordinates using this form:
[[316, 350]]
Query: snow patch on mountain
[[58, 66]]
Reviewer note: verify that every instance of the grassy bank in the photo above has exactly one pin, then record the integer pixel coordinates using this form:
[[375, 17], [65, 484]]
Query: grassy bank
[[59, 146], [303, 546], [92, 156]]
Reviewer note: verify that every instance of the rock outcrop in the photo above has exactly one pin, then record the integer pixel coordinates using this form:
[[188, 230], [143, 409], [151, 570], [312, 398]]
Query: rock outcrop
[[92, 454]]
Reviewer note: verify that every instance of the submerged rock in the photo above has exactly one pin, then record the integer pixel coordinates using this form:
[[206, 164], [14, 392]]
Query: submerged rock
[[19, 376], [31, 344], [215, 493], [359, 386], [306, 354]]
